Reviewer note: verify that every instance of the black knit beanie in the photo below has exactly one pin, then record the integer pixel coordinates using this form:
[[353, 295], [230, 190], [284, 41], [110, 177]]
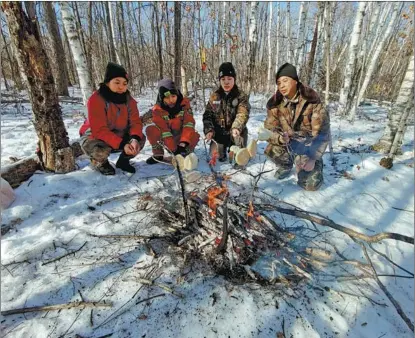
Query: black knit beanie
[[226, 69], [287, 69], [167, 87], [114, 70]]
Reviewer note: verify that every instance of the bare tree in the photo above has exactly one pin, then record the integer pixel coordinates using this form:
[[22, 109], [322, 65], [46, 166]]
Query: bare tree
[[177, 44], [78, 54], [398, 114], [253, 40], [269, 48], [55, 152], [57, 47], [345, 93], [159, 47]]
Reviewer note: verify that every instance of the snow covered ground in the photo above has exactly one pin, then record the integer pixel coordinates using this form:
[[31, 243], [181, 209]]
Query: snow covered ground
[[56, 214]]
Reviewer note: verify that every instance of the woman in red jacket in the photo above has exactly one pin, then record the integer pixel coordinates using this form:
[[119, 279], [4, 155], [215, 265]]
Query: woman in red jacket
[[173, 123], [113, 123]]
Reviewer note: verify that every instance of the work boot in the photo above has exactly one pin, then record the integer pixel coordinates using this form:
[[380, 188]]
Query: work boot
[[124, 163], [282, 173], [153, 159], [105, 168]]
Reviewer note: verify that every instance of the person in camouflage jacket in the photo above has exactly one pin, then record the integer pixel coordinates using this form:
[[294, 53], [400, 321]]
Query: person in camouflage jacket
[[300, 129], [226, 113]]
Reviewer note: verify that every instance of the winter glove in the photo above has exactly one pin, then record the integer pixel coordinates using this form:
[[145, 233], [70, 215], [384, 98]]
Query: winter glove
[[182, 149]]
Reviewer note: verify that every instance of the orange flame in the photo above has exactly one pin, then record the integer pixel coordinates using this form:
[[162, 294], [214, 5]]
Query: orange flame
[[213, 198], [250, 212]]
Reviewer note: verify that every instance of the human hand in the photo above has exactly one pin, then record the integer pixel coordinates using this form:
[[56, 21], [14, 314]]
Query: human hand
[[235, 132], [309, 165], [181, 149], [285, 137], [136, 146], [129, 149]]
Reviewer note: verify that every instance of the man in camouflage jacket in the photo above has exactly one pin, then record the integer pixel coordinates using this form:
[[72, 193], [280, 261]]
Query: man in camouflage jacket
[[300, 129], [226, 113]]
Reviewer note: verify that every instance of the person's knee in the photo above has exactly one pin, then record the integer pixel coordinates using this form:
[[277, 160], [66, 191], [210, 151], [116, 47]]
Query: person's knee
[[100, 154], [153, 134]]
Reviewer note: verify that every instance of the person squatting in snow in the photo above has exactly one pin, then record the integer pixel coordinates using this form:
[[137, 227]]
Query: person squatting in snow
[[226, 114], [297, 129], [113, 123], [173, 123]]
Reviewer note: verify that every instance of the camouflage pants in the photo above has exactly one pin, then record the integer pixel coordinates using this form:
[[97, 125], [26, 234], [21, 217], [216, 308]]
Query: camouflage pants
[[308, 180], [97, 150]]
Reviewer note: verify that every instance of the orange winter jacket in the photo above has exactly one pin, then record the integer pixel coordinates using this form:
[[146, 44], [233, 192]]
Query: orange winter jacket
[[109, 121], [182, 124]]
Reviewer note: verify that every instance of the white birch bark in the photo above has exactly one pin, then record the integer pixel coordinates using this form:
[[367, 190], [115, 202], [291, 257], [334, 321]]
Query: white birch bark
[[327, 37], [288, 33], [253, 39], [269, 48], [374, 60], [300, 35], [223, 49], [277, 49], [404, 101], [113, 32], [77, 52], [351, 63], [320, 45]]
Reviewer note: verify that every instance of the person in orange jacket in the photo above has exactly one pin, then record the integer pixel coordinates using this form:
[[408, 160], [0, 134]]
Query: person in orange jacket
[[173, 123], [113, 123]]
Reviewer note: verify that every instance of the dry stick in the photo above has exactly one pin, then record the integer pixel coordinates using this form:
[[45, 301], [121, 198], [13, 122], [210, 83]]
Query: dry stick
[[129, 236], [389, 260], [179, 173], [67, 254], [353, 234], [224, 240], [55, 307], [392, 300], [162, 286]]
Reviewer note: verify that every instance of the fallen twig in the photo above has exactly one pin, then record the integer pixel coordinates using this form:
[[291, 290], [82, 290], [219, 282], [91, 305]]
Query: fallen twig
[[351, 233], [386, 292], [55, 307], [67, 254]]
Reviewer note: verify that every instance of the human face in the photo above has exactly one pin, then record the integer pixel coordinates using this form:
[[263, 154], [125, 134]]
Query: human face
[[227, 83], [170, 100], [287, 86], [118, 85]]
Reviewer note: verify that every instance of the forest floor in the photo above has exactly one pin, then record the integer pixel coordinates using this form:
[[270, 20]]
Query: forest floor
[[57, 252]]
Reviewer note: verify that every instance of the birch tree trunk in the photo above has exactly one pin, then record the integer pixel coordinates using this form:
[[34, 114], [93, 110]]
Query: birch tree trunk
[[159, 47], [223, 35], [277, 49], [300, 35], [79, 57], [327, 37], [269, 48], [126, 44], [403, 102], [374, 60], [312, 51], [55, 152], [113, 55], [288, 34], [57, 48], [177, 44], [320, 46], [345, 98], [253, 38], [112, 29]]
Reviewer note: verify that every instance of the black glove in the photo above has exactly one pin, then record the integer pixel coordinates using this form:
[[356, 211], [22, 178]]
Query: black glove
[[182, 150]]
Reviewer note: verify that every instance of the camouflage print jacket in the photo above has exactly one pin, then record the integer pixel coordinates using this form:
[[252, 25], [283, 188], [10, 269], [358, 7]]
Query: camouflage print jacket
[[226, 112], [309, 123]]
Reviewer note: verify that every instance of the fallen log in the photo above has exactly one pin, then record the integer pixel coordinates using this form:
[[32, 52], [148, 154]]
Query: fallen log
[[20, 171]]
